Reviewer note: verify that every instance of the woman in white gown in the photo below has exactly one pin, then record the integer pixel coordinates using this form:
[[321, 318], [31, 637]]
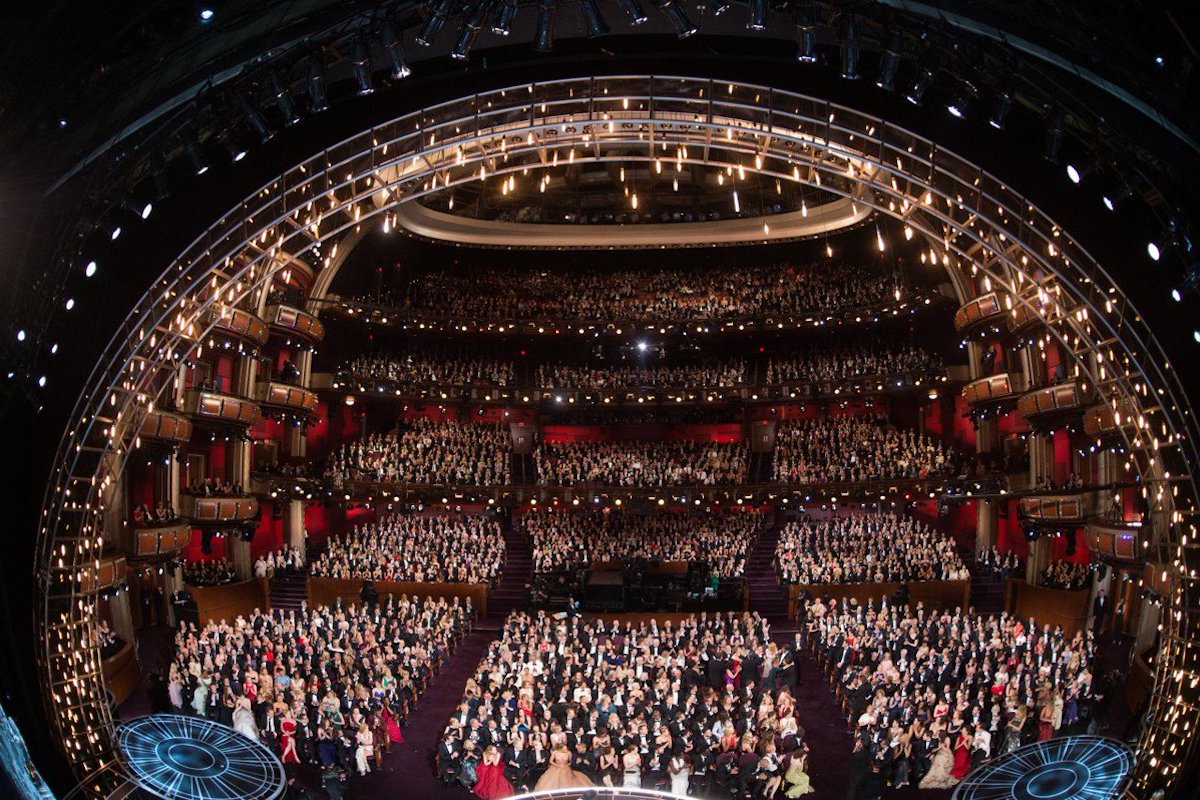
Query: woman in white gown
[[631, 765], [366, 747], [681, 774], [243, 719]]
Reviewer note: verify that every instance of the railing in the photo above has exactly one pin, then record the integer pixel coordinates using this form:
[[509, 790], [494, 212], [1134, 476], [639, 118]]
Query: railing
[[215, 510], [145, 541], [241, 324], [283, 395], [980, 311], [1056, 507], [1116, 540], [166, 427], [289, 320], [992, 389], [1057, 399], [209, 406]]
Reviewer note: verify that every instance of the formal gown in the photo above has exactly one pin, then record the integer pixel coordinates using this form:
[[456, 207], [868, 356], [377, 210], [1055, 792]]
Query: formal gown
[[797, 780], [939, 776], [243, 723], [490, 782], [559, 774], [962, 762], [287, 742]]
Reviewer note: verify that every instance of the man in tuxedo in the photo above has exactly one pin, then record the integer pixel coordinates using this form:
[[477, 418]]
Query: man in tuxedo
[[448, 760], [518, 760], [1099, 612]]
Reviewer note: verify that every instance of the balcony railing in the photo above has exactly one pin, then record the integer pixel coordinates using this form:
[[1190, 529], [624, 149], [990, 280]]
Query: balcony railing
[[293, 321], [165, 426], [209, 406], [1117, 540], [1056, 507], [241, 324], [210, 510], [1102, 421], [994, 389], [1061, 398], [109, 573], [286, 396], [162, 539], [984, 310]]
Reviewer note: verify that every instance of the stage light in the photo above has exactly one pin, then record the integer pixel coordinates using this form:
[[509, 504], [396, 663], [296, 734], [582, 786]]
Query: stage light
[[503, 24], [314, 79], [255, 119], [717, 7], [362, 65], [283, 100], [1076, 173], [394, 47], [1054, 135], [141, 209], [1113, 199], [890, 62], [543, 40], [206, 15], [593, 18], [236, 151], [1153, 251], [805, 21], [88, 271], [962, 99], [927, 70], [1000, 108], [199, 165], [850, 51], [758, 15], [1176, 296], [674, 12], [437, 19]]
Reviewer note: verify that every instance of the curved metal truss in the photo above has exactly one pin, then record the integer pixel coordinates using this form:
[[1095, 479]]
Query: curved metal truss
[[974, 222]]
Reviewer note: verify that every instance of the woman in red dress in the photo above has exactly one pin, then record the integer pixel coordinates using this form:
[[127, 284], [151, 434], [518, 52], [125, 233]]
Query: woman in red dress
[[491, 783], [962, 753], [392, 723], [287, 739]]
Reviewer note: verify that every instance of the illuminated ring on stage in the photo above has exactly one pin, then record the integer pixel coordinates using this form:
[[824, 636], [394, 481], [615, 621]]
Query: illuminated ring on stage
[[188, 758], [1070, 768]]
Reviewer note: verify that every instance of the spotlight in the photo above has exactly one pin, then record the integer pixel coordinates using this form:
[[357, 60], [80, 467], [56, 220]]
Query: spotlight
[[255, 119], [718, 7], [1000, 108], [1076, 173], [314, 79], [1114, 198], [805, 21], [437, 19], [850, 53], [674, 12], [543, 40], [394, 47], [962, 98], [236, 151], [503, 24], [1054, 135], [206, 15], [1151, 249], [199, 165], [593, 19], [139, 208], [633, 9], [890, 62], [362, 65], [88, 272], [927, 71], [758, 15], [283, 100]]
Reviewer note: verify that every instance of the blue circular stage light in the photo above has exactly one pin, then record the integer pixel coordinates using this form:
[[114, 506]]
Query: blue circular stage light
[[187, 758], [1070, 768]]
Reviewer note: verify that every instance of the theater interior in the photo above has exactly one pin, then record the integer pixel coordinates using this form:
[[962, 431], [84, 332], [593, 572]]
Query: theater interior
[[600, 399]]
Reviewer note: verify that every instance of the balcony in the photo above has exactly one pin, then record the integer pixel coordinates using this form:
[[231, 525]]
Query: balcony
[[109, 574], [1057, 400], [149, 541], [217, 510], [1057, 508], [974, 315], [163, 426], [1103, 422], [1114, 539], [291, 321], [994, 389], [214, 407], [276, 395], [240, 324]]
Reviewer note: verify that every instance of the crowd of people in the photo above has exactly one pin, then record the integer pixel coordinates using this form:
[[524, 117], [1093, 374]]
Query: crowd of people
[[426, 367], [866, 548], [427, 451], [642, 463], [571, 540], [720, 374], [713, 293], [284, 559], [327, 686], [215, 487], [931, 694], [702, 706], [212, 572], [1000, 564], [857, 448], [460, 548], [872, 359], [1062, 574], [146, 514]]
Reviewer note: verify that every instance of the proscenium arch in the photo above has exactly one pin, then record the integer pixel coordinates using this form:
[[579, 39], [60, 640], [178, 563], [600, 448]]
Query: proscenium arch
[[326, 200]]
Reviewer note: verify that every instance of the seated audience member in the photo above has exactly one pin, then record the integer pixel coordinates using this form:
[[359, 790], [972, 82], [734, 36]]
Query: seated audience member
[[213, 572], [998, 564], [424, 451], [862, 448], [642, 463], [427, 367], [873, 358], [406, 547], [285, 559], [1067, 575], [618, 376]]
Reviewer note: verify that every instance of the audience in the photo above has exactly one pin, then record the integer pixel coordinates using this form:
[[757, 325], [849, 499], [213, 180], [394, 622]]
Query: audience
[[215, 487], [642, 463], [285, 559], [433, 366], [874, 358], [704, 705], [209, 573], [405, 547], [861, 448], [1067, 575], [998, 564], [425, 451], [327, 686], [931, 694], [606, 376], [144, 514], [866, 548], [571, 540]]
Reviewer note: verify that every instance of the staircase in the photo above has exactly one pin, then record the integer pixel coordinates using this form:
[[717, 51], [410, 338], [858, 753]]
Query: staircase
[[987, 590], [509, 593], [523, 469], [288, 590], [767, 596]]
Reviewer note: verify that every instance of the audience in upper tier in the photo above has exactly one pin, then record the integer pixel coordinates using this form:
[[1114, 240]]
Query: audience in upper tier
[[998, 564], [209, 573], [607, 376], [571, 540], [932, 694], [215, 487], [859, 448], [406, 547], [107, 640], [431, 367], [325, 686], [1067, 575], [870, 359], [866, 548], [642, 463], [705, 705], [424, 451], [645, 295], [143, 514], [285, 559]]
